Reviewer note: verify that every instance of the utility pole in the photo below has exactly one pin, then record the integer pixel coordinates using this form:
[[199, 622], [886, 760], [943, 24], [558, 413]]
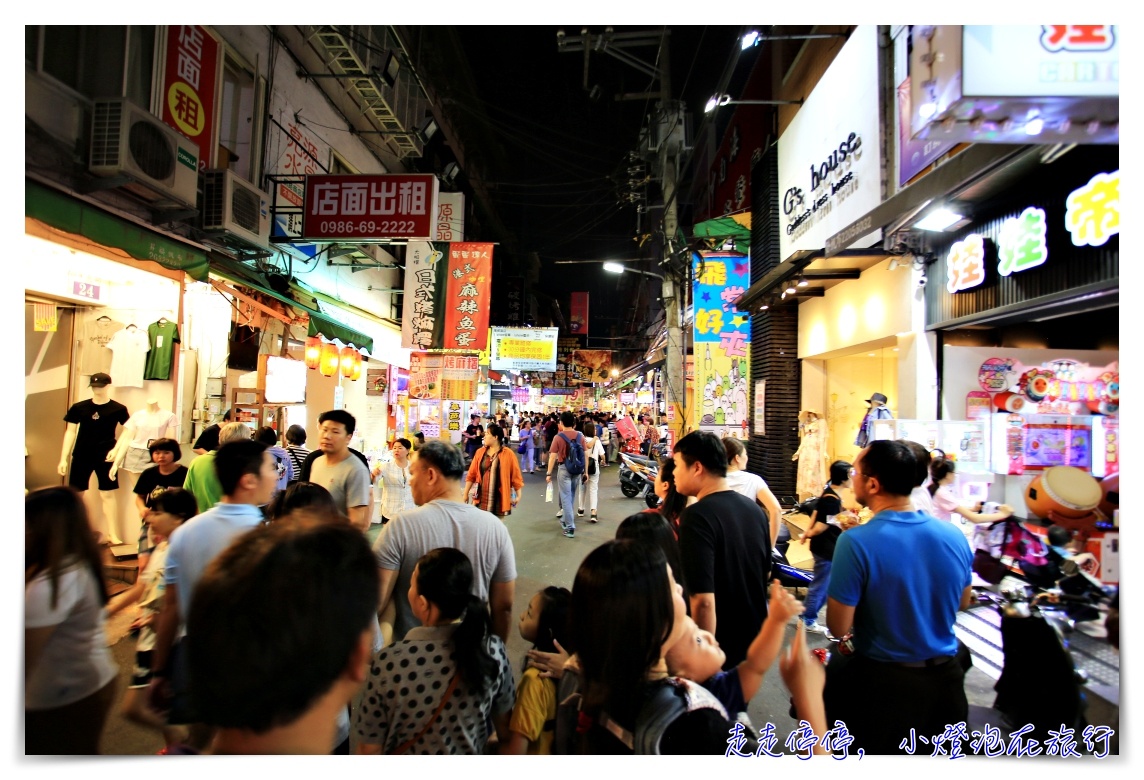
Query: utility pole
[[666, 139]]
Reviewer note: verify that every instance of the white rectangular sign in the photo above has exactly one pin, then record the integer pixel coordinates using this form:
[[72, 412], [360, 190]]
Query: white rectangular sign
[[830, 154], [523, 349], [1040, 60]]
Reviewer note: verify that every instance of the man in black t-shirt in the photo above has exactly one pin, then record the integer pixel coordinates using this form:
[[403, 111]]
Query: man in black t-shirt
[[725, 547], [823, 533], [208, 439]]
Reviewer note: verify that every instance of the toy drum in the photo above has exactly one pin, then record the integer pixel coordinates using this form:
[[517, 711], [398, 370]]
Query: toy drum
[[1009, 402], [1110, 494], [1065, 490]]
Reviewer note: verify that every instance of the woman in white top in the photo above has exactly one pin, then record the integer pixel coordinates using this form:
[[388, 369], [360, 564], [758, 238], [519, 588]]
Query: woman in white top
[[753, 487], [946, 504], [396, 495], [69, 674], [593, 451]]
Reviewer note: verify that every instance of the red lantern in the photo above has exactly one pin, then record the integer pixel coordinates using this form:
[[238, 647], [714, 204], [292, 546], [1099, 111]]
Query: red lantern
[[329, 360], [358, 361], [348, 361], [313, 352]]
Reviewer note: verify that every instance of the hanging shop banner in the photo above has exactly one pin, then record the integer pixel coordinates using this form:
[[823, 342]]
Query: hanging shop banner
[[760, 407], [627, 399], [567, 372], [459, 377], [597, 362], [467, 292], [578, 314], [359, 208], [425, 376], [513, 310], [190, 80], [450, 225], [722, 338], [523, 349], [446, 296]]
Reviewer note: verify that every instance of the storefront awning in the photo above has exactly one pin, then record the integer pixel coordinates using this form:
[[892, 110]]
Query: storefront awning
[[736, 227], [320, 324], [75, 216]]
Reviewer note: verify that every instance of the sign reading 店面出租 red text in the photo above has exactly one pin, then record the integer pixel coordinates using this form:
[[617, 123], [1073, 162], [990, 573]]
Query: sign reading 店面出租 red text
[[374, 207]]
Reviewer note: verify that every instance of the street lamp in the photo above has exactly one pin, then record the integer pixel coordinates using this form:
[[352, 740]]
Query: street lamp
[[619, 268], [725, 100]]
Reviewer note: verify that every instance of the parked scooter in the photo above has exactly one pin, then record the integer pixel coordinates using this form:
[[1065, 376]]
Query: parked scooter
[[637, 478]]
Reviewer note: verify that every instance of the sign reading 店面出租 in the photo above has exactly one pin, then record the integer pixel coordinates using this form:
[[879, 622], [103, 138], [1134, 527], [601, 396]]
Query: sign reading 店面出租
[[361, 208]]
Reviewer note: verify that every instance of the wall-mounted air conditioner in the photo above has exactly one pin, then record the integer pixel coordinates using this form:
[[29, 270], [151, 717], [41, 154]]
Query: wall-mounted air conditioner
[[236, 207], [158, 163]]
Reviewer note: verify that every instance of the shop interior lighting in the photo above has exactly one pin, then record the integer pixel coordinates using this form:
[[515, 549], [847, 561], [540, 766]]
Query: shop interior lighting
[[802, 282], [927, 110], [1034, 124], [765, 305], [790, 289], [938, 220]]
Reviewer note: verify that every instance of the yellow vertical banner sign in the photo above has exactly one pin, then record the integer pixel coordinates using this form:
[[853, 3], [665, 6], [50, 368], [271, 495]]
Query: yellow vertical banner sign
[[722, 338]]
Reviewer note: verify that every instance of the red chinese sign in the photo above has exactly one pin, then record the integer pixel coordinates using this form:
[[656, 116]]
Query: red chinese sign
[[191, 86], [578, 314], [361, 208], [467, 291]]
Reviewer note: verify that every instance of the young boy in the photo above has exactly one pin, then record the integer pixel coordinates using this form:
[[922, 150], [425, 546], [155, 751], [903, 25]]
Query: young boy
[[697, 656]]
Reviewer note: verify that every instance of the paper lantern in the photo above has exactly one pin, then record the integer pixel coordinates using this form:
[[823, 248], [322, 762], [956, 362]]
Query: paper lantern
[[358, 362], [313, 352], [348, 361], [330, 359]]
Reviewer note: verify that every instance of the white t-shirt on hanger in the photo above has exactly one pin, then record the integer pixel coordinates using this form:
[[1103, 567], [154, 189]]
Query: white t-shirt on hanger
[[146, 426], [129, 348]]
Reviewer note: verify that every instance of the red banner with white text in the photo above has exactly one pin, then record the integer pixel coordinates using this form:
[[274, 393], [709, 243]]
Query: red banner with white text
[[467, 294]]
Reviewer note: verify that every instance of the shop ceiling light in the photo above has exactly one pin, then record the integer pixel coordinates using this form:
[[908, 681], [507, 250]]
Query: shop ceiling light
[[790, 289], [802, 282], [1034, 126], [938, 220]]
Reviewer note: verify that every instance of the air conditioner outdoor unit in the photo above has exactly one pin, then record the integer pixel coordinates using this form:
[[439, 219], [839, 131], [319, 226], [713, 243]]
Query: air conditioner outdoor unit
[[129, 141], [236, 207]]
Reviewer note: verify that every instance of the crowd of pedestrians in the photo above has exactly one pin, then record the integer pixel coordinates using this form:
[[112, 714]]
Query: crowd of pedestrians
[[268, 624]]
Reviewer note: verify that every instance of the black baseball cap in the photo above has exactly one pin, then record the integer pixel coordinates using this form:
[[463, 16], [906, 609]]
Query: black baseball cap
[[99, 380]]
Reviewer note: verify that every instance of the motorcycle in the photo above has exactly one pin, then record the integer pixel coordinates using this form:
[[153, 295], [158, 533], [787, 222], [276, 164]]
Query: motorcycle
[[637, 478]]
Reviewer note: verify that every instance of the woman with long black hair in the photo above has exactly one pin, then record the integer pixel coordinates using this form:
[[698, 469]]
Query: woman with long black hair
[[437, 690]]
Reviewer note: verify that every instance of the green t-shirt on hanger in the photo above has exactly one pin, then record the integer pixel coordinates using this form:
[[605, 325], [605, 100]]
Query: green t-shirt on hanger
[[163, 335]]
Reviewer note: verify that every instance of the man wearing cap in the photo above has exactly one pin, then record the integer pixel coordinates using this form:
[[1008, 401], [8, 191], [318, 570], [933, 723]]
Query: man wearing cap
[[88, 438], [877, 411]]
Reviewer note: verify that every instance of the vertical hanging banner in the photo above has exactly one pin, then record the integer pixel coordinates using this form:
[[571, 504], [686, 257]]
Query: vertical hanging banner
[[190, 87], [450, 225], [423, 318], [510, 302], [578, 314], [722, 338], [467, 293]]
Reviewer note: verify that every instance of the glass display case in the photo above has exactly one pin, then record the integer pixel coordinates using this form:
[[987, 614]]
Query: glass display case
[[965, 441], [1034, 442]]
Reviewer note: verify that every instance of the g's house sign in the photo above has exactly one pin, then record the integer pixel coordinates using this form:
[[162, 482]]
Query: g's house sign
[[831, 181], [827, 177]]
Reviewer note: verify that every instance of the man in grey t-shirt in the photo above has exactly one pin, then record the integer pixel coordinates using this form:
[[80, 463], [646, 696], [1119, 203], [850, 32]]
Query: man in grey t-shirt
[[443, 519], [339, 471]]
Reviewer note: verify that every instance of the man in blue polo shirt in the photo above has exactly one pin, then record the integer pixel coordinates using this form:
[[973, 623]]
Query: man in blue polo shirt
[[896, 584], [248, 475]]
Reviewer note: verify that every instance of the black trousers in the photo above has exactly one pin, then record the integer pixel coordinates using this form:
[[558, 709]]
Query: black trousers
[[880, 701]]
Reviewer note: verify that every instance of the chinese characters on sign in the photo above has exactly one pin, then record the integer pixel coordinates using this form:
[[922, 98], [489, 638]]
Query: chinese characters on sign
[[965, 265], [450, 224], [722, 342], [453, 417], [459, 377], [190, 79], [1077, 37], [1092, 213], [369, 207], [567, 370], [466, 303], [424, 376], [524, 349], [514, 301], [424, 288], [1021, 244]]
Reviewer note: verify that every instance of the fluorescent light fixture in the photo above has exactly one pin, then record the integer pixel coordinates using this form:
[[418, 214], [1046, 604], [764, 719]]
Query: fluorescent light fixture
[[927, 110], [1034, 126], [941, 219], [615, 268], [750, 39]]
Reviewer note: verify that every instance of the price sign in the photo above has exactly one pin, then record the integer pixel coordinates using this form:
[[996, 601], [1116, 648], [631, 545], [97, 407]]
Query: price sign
[[85, 290]]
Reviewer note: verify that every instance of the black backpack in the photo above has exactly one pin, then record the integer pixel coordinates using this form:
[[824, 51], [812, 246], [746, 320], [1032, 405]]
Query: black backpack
[[574, 460]]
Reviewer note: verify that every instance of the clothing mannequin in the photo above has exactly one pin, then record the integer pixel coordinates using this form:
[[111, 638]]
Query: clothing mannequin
[[146, 425], [877, 411], [89, 440], [811, 454]]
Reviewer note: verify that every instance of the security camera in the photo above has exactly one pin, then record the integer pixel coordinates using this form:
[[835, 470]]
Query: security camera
[[921, 281]]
